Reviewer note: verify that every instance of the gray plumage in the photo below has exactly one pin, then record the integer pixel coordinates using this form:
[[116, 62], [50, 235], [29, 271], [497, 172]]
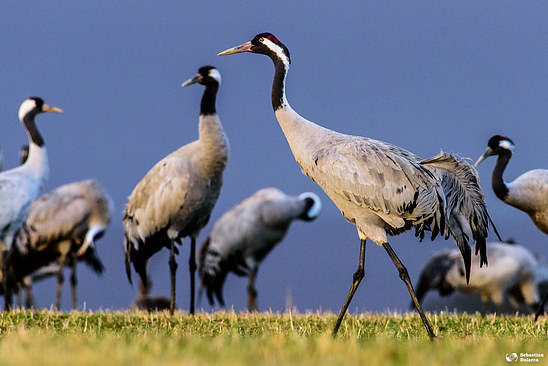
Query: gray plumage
[[175, 198], [60, 227], [381, 188], [243, 236], [513, 273]]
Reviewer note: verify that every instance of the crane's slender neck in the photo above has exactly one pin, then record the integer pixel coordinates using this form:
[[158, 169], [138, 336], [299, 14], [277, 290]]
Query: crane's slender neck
[[211, 132], [34, 134], [295, 128], [497, 181], [279, 99], [207, 106], [37, 160]]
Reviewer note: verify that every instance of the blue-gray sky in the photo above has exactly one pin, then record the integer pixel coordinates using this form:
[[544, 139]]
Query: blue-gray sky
[[426, 76]]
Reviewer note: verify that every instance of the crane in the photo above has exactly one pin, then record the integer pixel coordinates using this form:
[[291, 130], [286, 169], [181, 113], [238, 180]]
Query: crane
[[175, 198], [514, 273], [528, 192], [60, 227], [20, 186], [381, 188], [244, 235]]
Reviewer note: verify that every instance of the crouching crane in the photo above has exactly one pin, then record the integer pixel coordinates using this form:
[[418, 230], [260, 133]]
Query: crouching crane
[[513, 273], [243, 236], [60, 228]]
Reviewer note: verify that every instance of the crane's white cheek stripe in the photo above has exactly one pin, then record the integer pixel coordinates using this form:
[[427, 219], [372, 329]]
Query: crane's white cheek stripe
[[215, 74], [26, 107], [505, 144], [277, 50]]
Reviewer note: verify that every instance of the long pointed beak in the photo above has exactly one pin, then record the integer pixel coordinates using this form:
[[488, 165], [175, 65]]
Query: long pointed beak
[[485, 155], [246, 47], [47, 108], [196, 79]]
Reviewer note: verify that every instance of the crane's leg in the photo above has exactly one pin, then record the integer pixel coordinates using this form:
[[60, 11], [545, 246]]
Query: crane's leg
[[73, 283], [252, 292], [60, 280], [19, 295], [356, 279], [192, 269], [5, 279], [64, 249], [27, 285], [172, 269], [540, 309], [404, 275]]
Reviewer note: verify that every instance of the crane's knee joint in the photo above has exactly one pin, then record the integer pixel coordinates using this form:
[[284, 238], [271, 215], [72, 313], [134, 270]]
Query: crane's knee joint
[[358, 275], [404, 275]]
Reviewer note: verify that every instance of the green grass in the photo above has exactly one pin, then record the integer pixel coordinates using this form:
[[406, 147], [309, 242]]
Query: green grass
[[118, 338]]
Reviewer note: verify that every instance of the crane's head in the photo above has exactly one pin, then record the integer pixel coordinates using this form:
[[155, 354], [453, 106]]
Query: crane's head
[[264, 43], [497, 145], [207, 75], [33, 106], [212, 271], [313, 206]]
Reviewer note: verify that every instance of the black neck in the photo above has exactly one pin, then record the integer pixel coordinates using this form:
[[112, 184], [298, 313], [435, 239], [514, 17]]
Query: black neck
[[207, 106], [497, 182], [278, 85], [35, 136]]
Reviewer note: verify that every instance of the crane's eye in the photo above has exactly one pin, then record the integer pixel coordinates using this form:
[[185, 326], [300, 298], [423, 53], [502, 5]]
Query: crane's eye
[[261, 39]]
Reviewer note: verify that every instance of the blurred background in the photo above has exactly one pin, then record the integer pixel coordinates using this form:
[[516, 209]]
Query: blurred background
[[423, 75]]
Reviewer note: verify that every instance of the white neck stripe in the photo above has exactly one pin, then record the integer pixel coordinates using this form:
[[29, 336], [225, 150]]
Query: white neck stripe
[[278, 51]]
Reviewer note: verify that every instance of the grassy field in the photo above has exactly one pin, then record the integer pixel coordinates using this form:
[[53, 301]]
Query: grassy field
[[118, 338]]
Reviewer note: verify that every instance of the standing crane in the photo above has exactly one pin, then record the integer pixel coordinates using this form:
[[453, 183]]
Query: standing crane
[[381, 188], [528, 192], [243, 236], [513, 273], [175, 198], [60, 227], [20, 186]]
